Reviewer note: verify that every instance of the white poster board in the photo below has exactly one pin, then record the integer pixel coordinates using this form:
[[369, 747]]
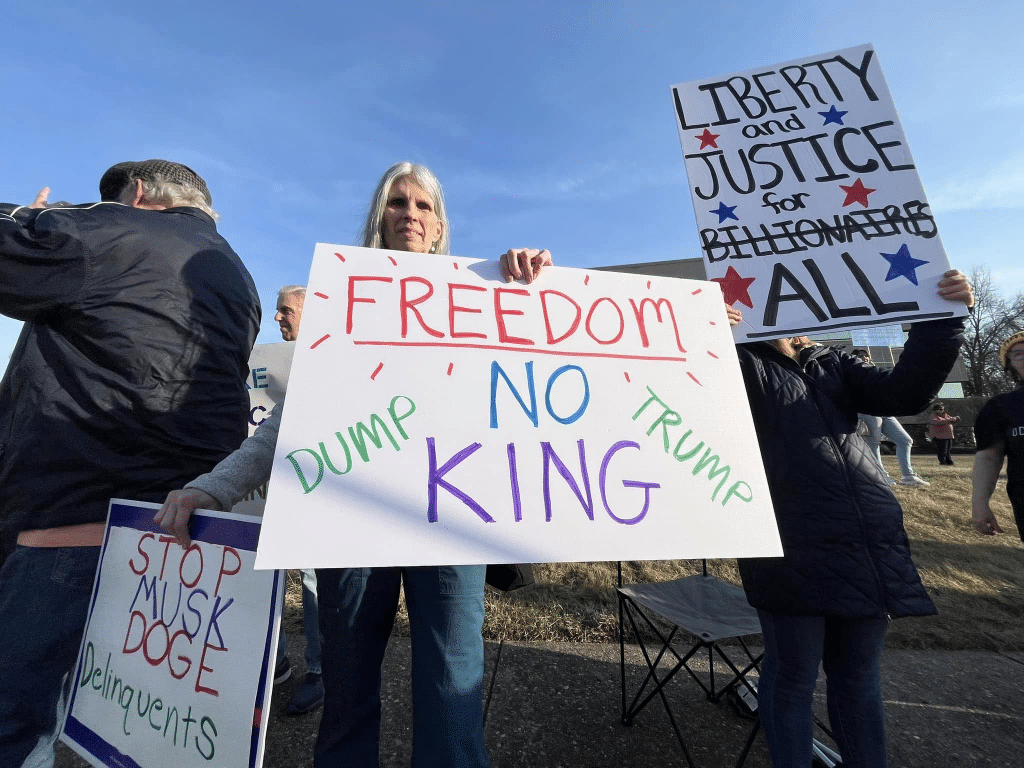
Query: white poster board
[[438, 415], [176, 666], [809, 207], [269, 366]]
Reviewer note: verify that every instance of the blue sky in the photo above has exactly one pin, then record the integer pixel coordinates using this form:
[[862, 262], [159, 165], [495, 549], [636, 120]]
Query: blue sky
[[549, 125]]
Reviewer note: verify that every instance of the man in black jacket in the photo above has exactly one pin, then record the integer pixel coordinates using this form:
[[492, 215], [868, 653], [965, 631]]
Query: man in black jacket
[[139, 320]]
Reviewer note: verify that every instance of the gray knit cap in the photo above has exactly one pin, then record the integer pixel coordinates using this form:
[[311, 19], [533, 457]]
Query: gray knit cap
[[121, 175]]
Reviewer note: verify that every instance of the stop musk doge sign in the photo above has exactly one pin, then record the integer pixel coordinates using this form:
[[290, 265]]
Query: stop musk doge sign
[[439, 415], [176, 664]]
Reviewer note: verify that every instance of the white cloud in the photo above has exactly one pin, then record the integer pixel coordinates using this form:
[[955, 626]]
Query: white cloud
[[1001, 187]]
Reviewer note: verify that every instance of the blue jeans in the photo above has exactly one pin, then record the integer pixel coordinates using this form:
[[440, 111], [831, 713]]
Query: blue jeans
[[891, 428], [44, 604], [446, 615], [310, 625], [851, 650], [311, 620]]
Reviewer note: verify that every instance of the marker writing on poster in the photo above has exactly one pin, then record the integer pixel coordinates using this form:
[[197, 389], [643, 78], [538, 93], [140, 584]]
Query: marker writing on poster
[[361, 435], [784, 237], [258, 379], [170, 610], [687, 448], [788, 160], [487, 317], [153, 713], [547, 456], [802, 85]]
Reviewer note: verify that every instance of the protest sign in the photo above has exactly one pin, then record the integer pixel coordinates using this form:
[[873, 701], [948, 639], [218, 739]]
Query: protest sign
[[269, 366], [809, 207], [176, 665], [439, 415]]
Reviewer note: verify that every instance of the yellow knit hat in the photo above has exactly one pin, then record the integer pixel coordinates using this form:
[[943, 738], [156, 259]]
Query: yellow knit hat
[[1004, 350]]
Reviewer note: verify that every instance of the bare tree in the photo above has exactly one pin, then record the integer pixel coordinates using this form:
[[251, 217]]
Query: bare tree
[[993, 319]]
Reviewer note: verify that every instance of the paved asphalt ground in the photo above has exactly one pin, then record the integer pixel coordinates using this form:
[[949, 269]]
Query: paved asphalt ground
[[558, 704]]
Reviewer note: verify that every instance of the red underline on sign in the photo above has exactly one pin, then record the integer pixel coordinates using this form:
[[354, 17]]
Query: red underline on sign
[[529, 350]]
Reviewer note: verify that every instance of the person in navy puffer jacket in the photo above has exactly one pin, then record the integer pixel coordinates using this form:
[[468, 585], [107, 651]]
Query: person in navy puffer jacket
[[846, 570]]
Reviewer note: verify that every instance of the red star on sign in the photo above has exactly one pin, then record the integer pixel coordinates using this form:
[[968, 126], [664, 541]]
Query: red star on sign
[[707, 139], [735, 287], [856, 193]]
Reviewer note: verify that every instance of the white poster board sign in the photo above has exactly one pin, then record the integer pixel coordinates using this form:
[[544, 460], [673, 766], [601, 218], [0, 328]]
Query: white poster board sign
[[438, 415], [176, 666], [269, 366], [809, 207]]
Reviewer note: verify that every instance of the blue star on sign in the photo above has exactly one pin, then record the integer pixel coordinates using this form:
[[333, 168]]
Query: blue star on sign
[[725, 212], [902, 264], [833, 116]]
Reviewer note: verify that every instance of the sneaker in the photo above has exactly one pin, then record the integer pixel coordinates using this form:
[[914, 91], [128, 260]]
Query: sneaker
[[890, 480], [282, 671], [308, 696], [913, 480]]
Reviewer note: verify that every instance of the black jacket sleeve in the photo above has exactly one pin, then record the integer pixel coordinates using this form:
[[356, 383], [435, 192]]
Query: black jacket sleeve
[[907, 388], [43, 263]]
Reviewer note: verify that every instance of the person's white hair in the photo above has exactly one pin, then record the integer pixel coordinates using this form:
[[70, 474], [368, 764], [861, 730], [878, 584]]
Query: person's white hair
[[372, 236], [288, 290], [169, 194]]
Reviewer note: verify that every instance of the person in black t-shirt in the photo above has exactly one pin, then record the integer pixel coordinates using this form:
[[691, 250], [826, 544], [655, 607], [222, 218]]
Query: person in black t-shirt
[[999, 432]]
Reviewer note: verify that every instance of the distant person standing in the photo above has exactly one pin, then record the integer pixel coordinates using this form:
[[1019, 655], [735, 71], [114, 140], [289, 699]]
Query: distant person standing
[[941, 431], [139, 319], [891, 428], [999, 432], [309, 695]]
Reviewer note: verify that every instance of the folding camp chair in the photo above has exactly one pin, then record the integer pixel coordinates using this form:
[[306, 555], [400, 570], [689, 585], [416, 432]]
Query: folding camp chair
[[711, 610], [703, 606]]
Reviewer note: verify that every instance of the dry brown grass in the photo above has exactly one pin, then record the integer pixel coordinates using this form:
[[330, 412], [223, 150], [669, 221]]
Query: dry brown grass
[[976, 582]]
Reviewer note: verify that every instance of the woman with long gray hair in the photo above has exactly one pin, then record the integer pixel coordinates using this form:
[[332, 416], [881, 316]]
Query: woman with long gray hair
[[445, 603]]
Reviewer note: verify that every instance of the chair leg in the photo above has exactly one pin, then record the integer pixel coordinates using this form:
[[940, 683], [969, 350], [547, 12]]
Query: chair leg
[[628, 713], [750, 743], [494, 678], [622, 650]]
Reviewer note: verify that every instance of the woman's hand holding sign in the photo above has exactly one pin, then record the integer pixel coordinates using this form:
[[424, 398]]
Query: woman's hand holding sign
[[177, 510], [523, 263]]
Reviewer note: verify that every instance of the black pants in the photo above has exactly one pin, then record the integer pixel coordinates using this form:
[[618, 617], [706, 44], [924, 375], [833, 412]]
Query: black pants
[[942, 448]]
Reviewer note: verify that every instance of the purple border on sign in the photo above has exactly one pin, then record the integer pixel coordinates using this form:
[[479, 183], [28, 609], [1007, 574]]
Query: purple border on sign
[[212, 530]]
